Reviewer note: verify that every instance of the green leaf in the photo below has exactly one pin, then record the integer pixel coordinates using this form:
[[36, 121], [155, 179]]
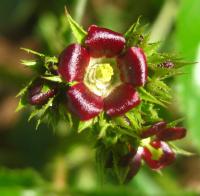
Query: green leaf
[[78, 32], [29, 63], [135, 118], [175, 122], [132, 29], [151, 48], [41, 112], [23, 94], [85, 124], [102, 132], [159, 89], [180, 151], [149, 97], [121, 121], [150, 114], [22, 103], [53, 78], [23, 90], [33, 52]]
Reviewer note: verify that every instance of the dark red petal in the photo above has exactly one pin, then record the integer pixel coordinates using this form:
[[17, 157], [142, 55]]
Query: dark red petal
[[104, 42], [83, 103], [134, 165], [172, 133], [147, 156], [166, 158], [133, 66], [121, 99], [72, 63], [154, 129]]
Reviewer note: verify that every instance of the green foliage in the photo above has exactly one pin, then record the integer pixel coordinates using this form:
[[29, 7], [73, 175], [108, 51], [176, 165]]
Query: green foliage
[[78, 32]]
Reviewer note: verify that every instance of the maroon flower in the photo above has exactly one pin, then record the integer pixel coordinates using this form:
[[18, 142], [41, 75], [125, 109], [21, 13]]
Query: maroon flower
[[155, 151], [107, 74]]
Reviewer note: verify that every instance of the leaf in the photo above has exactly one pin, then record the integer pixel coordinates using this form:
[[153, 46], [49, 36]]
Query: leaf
[[135, 118], [151, 48], [33, 52], [22, 103], [23, 90], [53, 78], [78, 32], [41, 112], [175, 122], [180, 151], [149, 97], [85, 125], [150, 114], [23, 94], [159, 89], [132, 29], [102, 132], [29, 63]]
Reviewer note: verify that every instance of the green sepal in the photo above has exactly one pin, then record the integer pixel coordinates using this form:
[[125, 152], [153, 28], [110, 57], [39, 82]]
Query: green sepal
[[33, 52], [53, 78], [23, 97], [40, 112], [133, 28], [159, 89], [150, 114], [78, 32], [175, 122], [180, 151], [146, 96], [135, 35], [86, 124]]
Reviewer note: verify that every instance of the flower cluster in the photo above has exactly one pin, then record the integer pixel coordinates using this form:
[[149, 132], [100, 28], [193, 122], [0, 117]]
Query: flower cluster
[[113, 85], [153, 149]]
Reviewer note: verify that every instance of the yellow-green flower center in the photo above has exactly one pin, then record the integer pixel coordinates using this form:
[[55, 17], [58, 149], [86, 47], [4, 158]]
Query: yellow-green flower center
[[102, 76], [103, 72]]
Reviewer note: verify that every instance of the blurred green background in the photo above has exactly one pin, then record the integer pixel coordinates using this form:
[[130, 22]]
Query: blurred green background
[[45, 162]]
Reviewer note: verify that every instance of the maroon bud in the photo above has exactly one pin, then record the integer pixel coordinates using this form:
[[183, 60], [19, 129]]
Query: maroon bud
[[171, 133], [35, 94], [154, 129]]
